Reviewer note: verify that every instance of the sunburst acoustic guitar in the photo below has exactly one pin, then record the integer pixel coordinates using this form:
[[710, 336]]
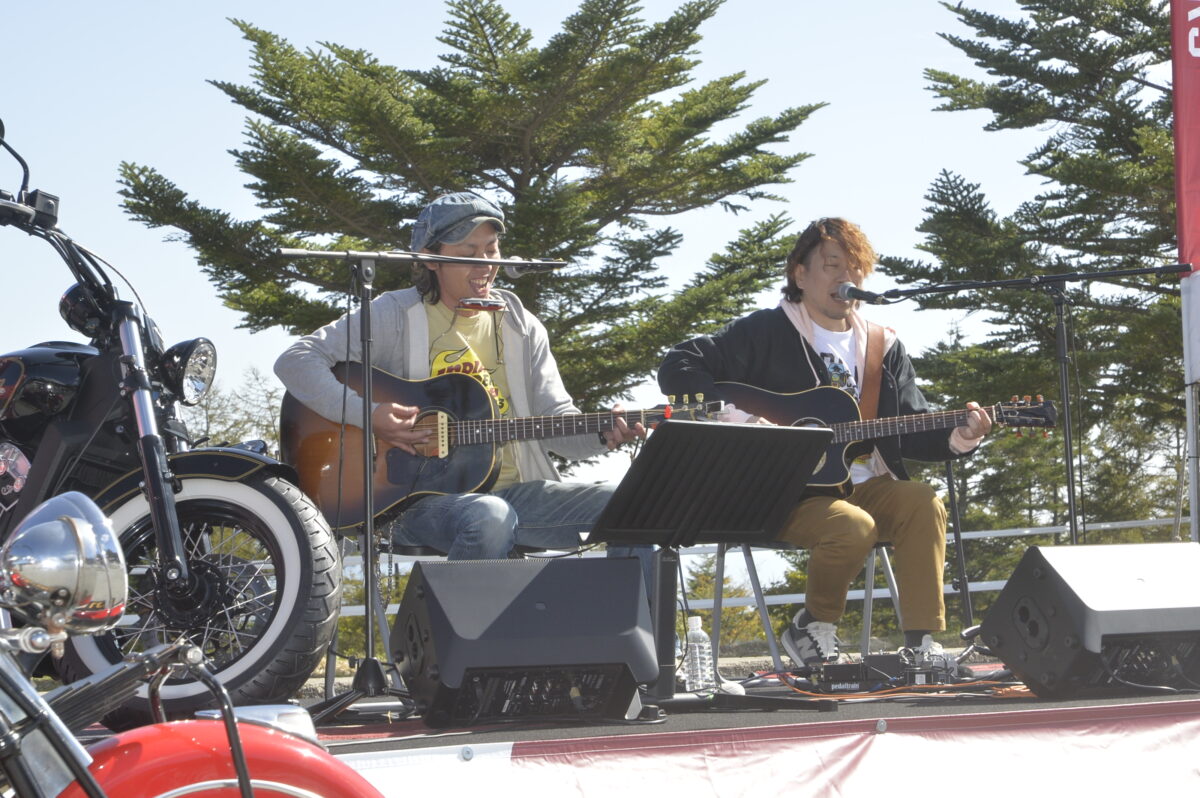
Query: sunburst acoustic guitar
[[460, 458]]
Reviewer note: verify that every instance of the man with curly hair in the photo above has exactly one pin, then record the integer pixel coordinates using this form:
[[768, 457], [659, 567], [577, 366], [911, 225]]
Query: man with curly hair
[[816, 337]]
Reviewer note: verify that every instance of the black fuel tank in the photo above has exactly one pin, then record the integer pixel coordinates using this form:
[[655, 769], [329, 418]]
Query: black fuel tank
[[41, 380]]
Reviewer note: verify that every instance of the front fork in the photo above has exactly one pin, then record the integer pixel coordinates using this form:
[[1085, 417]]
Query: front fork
[[157, 477]]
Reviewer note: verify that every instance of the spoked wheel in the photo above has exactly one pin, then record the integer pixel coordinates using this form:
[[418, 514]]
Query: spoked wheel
[[262, 602]]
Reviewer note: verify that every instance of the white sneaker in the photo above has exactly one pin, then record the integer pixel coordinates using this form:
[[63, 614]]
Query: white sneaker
[[930, 654], [812, 645]]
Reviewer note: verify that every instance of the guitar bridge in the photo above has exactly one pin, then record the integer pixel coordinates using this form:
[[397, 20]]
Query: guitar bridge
[[443, 434]]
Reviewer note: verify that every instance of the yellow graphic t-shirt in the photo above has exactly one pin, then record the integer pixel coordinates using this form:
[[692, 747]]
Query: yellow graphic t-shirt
[[471, 345]]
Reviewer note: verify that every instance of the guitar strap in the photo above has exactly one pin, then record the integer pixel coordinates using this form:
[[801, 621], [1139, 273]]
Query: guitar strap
[[868, 397]]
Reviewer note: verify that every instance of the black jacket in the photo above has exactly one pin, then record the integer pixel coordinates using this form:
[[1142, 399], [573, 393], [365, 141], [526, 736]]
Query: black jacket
[[765, 350]]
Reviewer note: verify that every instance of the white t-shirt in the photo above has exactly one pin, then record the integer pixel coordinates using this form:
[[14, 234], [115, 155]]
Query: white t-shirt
[[840, 355]]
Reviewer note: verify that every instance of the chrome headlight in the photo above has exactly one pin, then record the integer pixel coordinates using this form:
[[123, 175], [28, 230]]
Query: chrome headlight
[[62, 569], [189, 369]]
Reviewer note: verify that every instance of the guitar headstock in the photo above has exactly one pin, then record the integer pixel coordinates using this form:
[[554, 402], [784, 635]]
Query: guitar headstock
[[1027, 412], [694, 410]]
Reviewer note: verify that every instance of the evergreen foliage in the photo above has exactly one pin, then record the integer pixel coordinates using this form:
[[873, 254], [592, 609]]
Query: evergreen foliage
[[586, 142], [1093, 74]]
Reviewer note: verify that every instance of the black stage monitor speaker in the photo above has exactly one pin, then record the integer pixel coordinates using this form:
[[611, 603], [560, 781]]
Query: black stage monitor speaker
[[1100, 616], [483, 641]]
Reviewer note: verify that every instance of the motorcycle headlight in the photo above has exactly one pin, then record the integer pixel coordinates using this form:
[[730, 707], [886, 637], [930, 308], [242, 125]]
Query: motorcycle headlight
[[79, 310], [62, 569], [189, 369]]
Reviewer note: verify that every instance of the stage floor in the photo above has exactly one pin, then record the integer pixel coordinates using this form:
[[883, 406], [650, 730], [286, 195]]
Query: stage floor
[[375, 731], [1108, 743]]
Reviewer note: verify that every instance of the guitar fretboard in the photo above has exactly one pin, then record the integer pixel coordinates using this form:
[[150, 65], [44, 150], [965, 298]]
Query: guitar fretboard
[[849, 431], [499, 430]]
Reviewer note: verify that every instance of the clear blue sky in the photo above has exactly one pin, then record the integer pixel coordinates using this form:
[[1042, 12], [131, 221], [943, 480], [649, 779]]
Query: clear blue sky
[[88, 85]]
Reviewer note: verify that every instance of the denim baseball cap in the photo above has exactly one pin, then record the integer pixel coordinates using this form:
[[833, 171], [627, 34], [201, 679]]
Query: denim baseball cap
[[452, 217]]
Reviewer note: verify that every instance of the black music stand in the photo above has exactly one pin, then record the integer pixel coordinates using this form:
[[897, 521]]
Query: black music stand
[[700, 482]]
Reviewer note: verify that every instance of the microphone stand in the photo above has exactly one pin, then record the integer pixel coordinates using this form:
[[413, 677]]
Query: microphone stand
[[1052, 283], [369, 680]]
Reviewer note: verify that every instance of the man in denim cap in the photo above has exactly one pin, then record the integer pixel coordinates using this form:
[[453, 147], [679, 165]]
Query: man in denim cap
[[455, 320]]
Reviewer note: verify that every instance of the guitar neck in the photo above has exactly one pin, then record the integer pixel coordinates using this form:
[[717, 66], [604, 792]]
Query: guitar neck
[[849, 431], [499, 430]]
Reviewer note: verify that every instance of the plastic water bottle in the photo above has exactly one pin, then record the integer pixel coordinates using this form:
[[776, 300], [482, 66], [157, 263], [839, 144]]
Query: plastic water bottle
[[698, 662]]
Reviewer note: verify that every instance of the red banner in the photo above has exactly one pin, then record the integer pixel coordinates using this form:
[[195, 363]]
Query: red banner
[[1185, 58]]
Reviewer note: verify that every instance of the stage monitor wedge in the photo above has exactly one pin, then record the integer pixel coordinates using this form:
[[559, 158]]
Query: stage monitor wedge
[[1088, 616], [482, 641]]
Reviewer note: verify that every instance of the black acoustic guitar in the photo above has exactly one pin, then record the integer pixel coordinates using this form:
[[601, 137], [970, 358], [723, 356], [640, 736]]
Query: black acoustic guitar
[[826, 406], [461, 456]]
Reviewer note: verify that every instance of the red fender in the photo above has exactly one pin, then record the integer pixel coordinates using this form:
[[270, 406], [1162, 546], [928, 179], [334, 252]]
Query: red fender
[[151, 760]]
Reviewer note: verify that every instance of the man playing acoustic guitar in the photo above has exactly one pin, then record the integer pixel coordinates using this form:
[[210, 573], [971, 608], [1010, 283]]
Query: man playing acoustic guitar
[[815, 337], [455, 322]]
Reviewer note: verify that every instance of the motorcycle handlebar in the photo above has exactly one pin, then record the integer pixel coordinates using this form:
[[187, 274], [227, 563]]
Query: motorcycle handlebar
[[10, 208]]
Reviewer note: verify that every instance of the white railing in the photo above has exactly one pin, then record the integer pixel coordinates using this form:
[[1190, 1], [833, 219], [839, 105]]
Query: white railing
[[354, 563]]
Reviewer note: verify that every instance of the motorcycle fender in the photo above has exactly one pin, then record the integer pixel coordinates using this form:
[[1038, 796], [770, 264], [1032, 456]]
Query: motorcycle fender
[[225, 463], [152, 760]]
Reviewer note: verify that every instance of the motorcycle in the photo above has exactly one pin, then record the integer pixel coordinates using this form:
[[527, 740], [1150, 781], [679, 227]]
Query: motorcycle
[[63, 575], [222, 548]]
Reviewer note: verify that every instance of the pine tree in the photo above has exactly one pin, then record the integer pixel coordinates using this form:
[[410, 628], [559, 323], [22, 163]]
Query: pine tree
[[585, 142], [1091, 74]]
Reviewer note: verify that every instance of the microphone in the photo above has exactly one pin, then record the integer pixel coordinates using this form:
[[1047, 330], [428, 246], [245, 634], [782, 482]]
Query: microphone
[[523, 267], [848, 291]]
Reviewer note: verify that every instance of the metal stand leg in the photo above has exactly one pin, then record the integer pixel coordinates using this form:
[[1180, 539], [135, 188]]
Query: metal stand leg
[[371, 677], [961, 583], [761, 603], [662, 613], [718, 600], [886, 559], [868, 605], [385, 641], [331, 665], [878, 554], [331, 652]]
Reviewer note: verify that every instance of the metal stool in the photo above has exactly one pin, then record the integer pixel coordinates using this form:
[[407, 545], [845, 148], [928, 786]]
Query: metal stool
[[759, 600], [878, 554]]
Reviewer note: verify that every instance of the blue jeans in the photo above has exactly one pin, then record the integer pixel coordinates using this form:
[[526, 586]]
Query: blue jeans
[[486, 526], [483, 526]]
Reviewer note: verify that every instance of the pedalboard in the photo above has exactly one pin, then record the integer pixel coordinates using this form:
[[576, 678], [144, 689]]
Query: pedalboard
[[876, 672]]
